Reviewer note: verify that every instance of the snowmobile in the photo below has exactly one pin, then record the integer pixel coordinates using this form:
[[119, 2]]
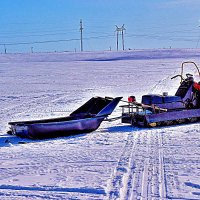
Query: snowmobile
[[158, 110]]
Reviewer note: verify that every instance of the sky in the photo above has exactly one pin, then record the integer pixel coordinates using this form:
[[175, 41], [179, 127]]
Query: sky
[[54, 25]]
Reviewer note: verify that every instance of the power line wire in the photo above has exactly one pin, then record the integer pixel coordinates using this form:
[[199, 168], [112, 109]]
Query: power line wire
[[38, 42]]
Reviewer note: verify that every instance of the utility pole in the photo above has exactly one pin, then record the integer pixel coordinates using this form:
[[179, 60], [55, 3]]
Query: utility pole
[[117, 38], [198, 41], [81, 30], [123, 29], [5, 50], [120, 30]]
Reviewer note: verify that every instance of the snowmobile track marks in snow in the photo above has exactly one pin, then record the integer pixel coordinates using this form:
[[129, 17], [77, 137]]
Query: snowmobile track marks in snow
[[162, 178], [124, 170], [146, 178]]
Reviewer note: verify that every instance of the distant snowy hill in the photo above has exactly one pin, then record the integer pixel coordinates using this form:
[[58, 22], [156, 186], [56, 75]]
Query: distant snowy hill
[[102, 56]]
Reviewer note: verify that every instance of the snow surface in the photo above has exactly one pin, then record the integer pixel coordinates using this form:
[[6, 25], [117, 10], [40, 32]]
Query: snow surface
[[115, 162]]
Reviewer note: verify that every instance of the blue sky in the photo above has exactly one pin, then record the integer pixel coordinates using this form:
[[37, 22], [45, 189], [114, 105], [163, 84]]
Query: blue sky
[[53, 25]]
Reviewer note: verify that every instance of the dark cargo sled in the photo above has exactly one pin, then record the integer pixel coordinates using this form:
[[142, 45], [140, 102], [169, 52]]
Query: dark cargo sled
[[157, 110], [85, 119]]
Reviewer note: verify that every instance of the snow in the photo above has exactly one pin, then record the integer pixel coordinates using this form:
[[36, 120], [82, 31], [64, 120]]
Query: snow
[[115, 162]]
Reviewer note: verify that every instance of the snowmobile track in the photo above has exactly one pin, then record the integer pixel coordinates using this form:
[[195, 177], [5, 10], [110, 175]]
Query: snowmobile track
[[122, 176], [162, 179], [144, 180]]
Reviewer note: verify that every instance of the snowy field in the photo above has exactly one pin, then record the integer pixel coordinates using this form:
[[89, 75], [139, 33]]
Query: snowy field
[[115, 162]]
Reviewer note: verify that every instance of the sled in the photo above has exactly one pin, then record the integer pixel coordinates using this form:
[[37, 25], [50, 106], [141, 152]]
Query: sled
[[157, 110], [85, 119]]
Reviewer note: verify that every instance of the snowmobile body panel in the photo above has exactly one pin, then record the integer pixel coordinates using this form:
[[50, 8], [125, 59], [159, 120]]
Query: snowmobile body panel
[[174, 115]]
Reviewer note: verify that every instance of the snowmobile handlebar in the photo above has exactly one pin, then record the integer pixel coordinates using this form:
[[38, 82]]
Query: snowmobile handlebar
[[189, 62], [189, 75], [178, 76]]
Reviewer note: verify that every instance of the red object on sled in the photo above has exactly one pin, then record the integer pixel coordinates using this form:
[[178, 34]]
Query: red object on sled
[[131, 99], [196, 86]]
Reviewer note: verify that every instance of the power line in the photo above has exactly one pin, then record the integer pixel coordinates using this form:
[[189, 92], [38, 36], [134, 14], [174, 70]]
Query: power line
[[41, 31], [158, 37], [35, 35], [39, 42], [53, 41], [162, 37], [119, 30]]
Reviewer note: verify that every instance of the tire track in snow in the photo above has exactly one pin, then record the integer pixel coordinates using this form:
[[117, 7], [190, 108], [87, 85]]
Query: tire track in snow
[[145, 177], [120, 180], [140, 170], [149, 172], [162, 182], [143, 172]]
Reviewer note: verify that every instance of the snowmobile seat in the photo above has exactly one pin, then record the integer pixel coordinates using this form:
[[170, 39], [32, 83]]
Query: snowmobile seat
[[183, 89], [170, 99], [165, 102], [152, 99]]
